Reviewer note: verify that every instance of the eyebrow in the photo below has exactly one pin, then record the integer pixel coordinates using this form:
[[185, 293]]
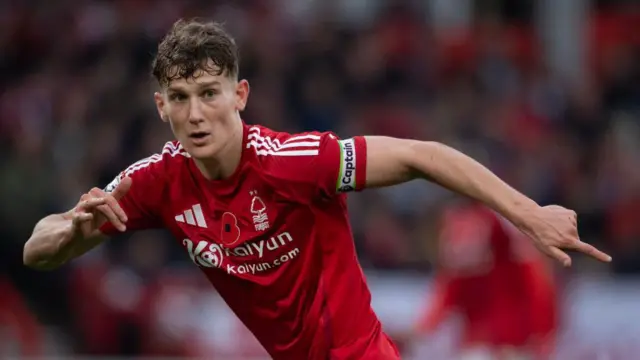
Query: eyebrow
[[200, 85]]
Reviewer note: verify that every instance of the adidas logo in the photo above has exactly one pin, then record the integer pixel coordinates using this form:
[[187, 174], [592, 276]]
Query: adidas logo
[[192, 216]]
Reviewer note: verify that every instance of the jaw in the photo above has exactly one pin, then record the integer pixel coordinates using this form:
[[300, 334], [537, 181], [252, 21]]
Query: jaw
[[208, 151], [220, 157]]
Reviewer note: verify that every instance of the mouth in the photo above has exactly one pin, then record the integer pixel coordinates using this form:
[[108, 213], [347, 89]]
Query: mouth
[[198, 134], [198, 137]]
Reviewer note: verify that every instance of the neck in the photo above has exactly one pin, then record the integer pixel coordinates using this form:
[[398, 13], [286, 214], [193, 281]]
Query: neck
[[226, 161]]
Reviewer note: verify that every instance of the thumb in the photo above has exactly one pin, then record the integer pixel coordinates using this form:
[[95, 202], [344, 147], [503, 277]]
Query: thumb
[[122, 188]]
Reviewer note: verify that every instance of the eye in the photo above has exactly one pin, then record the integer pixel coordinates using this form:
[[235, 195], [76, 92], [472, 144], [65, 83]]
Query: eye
[[209, 93], [177, 97]]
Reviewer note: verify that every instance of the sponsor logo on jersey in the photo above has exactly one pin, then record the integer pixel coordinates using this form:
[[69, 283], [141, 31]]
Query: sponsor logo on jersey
[[204, 254], [347, 175], [211, 255]]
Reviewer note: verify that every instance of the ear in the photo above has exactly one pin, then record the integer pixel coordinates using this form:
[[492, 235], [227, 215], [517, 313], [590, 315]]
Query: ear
[[242, 94], [160, 105]]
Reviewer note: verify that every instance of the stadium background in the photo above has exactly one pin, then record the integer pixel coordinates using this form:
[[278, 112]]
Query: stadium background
[[546, 93]]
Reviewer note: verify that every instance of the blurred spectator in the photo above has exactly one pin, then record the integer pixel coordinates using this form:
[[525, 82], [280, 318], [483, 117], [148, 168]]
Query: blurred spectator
[[20, 330], [498, 284]]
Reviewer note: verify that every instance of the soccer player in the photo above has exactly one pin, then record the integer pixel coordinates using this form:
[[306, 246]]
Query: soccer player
[[498, 283], [263, 213]]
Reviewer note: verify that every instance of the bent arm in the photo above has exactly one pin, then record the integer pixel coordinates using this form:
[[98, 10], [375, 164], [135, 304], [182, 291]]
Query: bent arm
[[53, 243], [59, 238], [392, 161]]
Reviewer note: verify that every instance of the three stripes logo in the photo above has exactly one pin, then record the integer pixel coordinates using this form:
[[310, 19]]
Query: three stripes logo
[[302, 145], [193, 216]]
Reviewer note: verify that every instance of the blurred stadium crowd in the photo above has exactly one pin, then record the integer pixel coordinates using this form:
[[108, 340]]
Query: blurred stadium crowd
[[76, 108]]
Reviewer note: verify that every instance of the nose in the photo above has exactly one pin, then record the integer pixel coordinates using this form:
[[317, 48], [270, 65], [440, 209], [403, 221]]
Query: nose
[[195, 111]]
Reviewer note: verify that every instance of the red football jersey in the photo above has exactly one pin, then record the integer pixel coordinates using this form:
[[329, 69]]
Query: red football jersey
[[274, 238]]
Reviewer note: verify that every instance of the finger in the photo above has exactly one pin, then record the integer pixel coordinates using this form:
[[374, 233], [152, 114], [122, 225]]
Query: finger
[[111, 216], [97, 193], [593, 252], [81, 217], [90, 204], [560, 255], [111, 202], [122, 188]]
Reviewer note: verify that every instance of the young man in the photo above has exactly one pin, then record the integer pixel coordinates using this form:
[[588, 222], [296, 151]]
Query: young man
[[263, 213]]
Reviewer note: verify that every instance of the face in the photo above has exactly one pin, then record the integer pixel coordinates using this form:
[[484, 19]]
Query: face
[[203, 111]]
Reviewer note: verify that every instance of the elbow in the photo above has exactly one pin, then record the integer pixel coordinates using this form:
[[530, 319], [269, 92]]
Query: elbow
[[30, 260], [41, 265], [428, 150], [427, 147], [27, 255], [424, 158], [43, 249]]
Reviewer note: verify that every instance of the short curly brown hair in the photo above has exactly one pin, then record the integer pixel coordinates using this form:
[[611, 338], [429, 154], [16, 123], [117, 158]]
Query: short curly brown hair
[[193, 45]]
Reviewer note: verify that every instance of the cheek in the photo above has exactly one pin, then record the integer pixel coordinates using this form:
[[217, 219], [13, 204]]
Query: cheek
[[216, 110], [177, 117], [225, 100], [177, 126]]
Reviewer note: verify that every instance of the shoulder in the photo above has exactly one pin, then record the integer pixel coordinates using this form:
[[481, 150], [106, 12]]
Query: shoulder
[[308, 153], [155, 168], [312, 162], [269, 143], [281, 153], [292, 158]]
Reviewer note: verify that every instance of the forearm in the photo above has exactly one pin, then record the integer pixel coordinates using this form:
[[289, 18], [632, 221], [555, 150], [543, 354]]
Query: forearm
[[462, 174], [48, 246], [52, 243], [391, 161]]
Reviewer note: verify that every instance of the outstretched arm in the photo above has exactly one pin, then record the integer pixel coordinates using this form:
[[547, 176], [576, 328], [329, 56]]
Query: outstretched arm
[[58, 238], [392, 161]]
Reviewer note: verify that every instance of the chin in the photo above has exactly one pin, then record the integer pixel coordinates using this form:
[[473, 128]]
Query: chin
[[202, 152]]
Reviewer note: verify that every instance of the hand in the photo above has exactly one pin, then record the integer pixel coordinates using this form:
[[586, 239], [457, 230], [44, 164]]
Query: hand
[[553, 228], [97, 207]]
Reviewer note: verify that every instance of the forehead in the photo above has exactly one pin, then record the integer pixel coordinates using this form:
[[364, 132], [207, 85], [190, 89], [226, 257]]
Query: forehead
[[202, 77]]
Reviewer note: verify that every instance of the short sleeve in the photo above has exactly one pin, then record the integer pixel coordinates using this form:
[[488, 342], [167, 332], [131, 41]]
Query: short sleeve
[[318, 164], [142, 201]]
